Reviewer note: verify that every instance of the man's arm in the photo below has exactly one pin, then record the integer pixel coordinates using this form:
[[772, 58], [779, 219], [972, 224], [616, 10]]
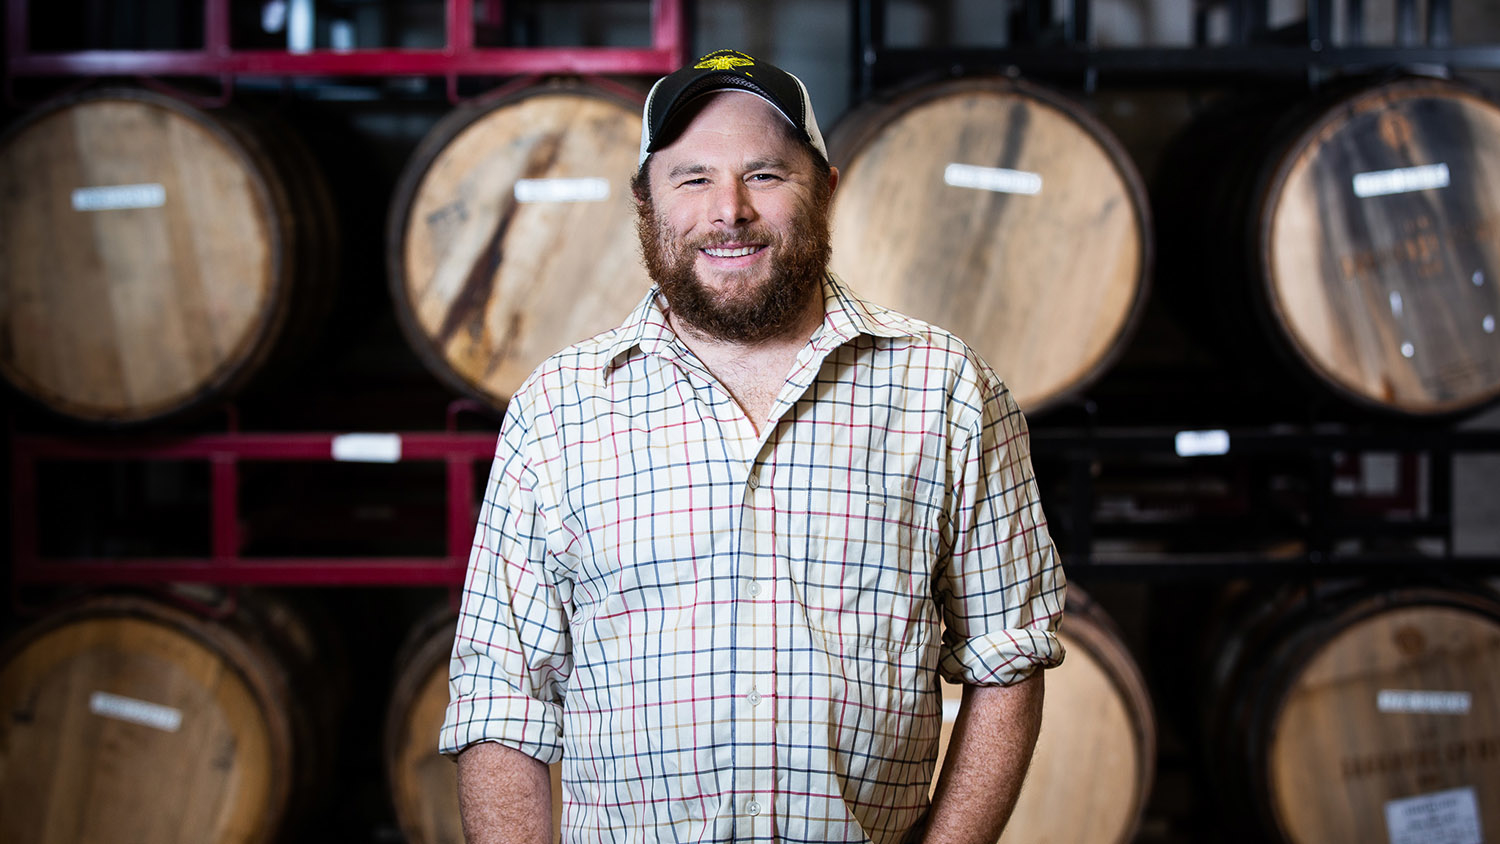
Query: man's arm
[[504, 796], [987, 758]]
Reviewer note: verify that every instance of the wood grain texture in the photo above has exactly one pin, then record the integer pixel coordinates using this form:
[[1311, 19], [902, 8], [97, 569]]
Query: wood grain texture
[[73, 772], [1336, 759], [1045, 286], [1392, 299], [487, 286], [1098, 739], [424, 784], [129, 314]]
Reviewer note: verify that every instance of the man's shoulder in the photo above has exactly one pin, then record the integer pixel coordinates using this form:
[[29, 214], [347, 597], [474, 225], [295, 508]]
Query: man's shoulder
[[909, 335], [579, 363], [928, 354], [876, 320]]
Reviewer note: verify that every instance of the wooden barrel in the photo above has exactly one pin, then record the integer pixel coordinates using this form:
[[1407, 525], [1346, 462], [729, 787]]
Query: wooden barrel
[[1098, 739], [423, 784], [1361, 224], [152, 255], [129, 719], [512, 234], [1362, 715], [1000, 211]]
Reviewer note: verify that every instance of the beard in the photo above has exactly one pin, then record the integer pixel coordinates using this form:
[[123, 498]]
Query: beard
[[747, 312]]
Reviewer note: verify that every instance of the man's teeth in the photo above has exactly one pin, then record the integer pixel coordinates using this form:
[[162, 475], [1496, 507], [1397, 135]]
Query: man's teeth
[[740, 252]]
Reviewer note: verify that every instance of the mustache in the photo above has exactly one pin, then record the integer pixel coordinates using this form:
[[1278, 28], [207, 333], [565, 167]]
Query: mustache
[[748, 234]]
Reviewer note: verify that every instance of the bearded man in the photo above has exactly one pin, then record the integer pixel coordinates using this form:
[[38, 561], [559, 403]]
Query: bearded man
[[727, 548]]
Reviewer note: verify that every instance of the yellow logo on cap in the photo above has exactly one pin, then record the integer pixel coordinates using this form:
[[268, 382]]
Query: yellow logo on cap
[[724, 60]]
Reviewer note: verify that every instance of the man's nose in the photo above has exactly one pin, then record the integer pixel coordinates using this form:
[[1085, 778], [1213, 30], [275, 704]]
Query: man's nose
[[732, 204]]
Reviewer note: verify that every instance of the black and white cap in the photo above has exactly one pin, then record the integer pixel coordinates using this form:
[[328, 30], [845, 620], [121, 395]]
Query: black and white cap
[[724, 70]]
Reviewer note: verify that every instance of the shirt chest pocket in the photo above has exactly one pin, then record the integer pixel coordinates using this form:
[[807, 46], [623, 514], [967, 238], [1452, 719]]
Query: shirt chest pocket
[[866, 566]]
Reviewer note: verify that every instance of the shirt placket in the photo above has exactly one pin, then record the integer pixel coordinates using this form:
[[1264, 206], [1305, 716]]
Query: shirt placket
[[754, 675]]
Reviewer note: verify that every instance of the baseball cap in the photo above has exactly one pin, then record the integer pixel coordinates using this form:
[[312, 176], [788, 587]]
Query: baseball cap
[[724, 70]]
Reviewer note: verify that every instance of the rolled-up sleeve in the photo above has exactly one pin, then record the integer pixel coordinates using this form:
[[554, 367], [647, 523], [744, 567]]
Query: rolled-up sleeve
[[512, 654], [1002, 587]]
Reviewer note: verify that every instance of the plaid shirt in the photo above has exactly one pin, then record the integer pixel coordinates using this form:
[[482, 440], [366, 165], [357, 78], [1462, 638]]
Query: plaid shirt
[[727, 635]]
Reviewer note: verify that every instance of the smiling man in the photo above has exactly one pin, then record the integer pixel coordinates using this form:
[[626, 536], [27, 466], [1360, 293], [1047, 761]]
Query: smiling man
[[727, 548]]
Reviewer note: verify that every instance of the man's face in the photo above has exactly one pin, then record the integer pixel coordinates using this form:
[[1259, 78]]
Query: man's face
[[736, 228]]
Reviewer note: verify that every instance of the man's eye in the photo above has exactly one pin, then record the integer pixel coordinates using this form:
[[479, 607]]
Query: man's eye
[[764, 177]]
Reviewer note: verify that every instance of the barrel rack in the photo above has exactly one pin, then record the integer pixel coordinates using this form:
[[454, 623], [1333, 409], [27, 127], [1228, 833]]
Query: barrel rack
[[227, 451], [1320, 522], [1263, 501], [1257, 501], [1290, 472], [458, 57], [1047, 45]]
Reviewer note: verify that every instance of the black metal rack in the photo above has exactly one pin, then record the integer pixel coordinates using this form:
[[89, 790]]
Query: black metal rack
[[1273, 506], [1045, 45], [1262, 501]]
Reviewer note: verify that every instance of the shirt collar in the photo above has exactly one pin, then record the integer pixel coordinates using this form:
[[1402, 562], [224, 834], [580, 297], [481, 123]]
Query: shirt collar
[[846, 316]]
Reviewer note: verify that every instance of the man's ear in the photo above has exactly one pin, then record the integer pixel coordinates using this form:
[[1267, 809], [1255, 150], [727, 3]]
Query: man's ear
[[833, 180]]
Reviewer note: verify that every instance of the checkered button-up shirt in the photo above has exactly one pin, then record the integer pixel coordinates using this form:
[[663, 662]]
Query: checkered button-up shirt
[[727, 635]]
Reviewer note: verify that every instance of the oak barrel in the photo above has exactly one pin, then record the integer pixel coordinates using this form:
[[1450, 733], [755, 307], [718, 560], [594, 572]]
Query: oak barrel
[[1361, 225], [1098, 739], [1003, 212], [423, 784], [128, 718], [153, 255], [512, 233], [1362, 714]]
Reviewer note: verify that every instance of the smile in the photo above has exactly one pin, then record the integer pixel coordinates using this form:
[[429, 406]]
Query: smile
[[732, 252]]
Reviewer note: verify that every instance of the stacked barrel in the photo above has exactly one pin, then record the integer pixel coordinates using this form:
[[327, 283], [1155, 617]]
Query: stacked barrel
[[130, 718], [156, 257], [1349, 236]]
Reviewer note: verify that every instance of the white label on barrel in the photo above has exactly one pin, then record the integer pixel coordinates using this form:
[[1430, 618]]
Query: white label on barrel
[[997, 179], [1442, 817], [147, 714], [116, 197], [1199, 443], [367, 448], [562, 190], [1401, 180], [1406, 701]]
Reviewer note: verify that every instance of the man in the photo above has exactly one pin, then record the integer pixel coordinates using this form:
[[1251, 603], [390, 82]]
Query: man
[[727, 547]]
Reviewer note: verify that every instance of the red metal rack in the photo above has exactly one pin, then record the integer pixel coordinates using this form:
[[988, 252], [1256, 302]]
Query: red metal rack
[[225, 452], [460, 56]]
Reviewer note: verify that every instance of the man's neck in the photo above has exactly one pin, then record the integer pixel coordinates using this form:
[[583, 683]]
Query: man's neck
[[753, 372]]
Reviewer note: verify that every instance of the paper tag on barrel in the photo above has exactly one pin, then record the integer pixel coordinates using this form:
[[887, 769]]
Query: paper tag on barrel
[[1443, 817], [119, 197], [1400, 180], [997, 179], [1423, 702], [144, 713], [562, 190]]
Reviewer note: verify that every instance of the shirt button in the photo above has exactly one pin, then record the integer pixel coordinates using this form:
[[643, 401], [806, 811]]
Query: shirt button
[[752, 808], [753, 697], [753, 587], [753, 481]]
